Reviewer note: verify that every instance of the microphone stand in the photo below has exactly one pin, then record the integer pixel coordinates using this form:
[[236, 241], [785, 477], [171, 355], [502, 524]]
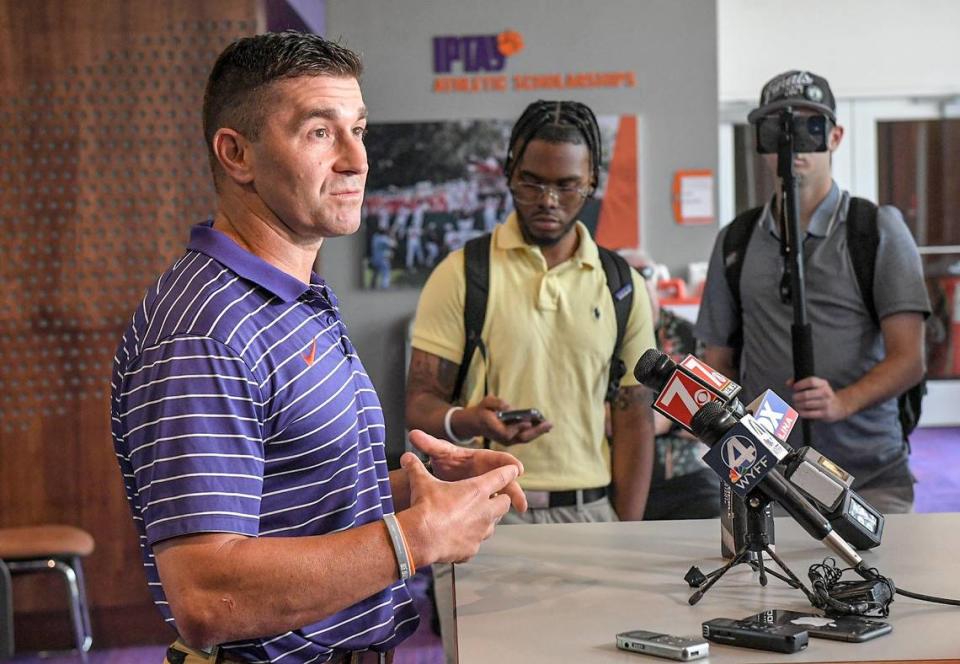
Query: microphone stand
[[791, 247], [756, 543]]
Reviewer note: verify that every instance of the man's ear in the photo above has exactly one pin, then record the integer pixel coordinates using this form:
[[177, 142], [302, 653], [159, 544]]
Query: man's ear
[[235, 155], [835, 138]]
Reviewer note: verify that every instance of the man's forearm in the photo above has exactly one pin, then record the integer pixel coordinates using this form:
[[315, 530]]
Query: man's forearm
[[225, 588], [426, 412], [632, 470], [903, 366], [632, 454], [430, 381], [886, 380]]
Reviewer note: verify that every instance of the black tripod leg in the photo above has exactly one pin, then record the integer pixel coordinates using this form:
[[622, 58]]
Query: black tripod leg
[[774, 573], [714, 576], [794, 581], [760, 568]]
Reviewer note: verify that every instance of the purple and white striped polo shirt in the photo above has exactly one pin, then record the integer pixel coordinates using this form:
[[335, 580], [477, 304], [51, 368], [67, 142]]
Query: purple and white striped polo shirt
[[240, 406]]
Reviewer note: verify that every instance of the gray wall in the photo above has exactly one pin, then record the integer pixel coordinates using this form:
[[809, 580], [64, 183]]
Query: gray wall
[[670, 45]]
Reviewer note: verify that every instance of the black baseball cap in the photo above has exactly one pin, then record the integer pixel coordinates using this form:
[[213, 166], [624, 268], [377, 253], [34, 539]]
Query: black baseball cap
[[799, 89]]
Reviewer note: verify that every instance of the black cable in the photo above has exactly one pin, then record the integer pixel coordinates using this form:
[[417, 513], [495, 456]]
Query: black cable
[[870, 597], [929, 598], [906, 593], [850, 598]]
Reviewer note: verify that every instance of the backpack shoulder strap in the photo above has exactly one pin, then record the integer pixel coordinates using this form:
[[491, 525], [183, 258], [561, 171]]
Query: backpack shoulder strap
[[476, 265], [863, 239], [735, 243], [620, 285]]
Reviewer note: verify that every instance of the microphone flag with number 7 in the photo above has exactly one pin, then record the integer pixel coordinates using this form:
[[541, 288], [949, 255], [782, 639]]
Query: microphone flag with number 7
[[681, 398], [692, 385], [720, 384]]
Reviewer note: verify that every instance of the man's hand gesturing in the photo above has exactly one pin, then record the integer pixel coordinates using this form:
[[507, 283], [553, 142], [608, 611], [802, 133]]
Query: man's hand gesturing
[[448, 520]]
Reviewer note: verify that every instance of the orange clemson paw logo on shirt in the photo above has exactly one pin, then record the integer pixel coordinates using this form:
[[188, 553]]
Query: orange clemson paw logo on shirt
[[509, 42], [312, 355]]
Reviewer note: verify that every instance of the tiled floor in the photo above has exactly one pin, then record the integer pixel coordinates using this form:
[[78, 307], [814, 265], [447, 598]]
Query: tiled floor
[[936, 453]]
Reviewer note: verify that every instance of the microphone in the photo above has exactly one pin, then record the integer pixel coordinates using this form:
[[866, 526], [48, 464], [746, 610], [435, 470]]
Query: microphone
[[682, 389], [828, 486], [680, 394], [818, 478], [749, 443]]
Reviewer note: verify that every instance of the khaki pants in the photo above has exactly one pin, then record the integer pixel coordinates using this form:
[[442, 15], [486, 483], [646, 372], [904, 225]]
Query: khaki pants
[[599, 511], [181, 653]]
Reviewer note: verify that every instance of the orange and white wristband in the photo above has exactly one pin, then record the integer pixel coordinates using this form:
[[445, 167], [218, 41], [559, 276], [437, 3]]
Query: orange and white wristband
[[400, 548]]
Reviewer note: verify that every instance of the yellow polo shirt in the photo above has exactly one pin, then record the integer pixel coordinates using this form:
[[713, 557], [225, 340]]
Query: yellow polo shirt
[[549, 336]]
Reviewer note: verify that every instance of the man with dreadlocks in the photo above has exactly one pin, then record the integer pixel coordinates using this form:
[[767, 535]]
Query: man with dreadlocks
[[547, 339]]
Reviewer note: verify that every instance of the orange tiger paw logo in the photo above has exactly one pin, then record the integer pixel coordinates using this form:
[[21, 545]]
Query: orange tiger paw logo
[[509, 42]]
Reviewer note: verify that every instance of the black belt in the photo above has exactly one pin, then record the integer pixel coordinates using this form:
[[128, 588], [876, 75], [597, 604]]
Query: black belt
[[568, 498], [564, 498], [179, 652]]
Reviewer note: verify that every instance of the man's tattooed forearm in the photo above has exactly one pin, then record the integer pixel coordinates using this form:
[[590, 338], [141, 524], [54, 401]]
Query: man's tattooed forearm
[[431, 374], [628, 397]]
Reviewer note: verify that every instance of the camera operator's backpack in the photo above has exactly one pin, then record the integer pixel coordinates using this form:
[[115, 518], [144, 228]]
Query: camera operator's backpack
[[863, 238], [476, 259]]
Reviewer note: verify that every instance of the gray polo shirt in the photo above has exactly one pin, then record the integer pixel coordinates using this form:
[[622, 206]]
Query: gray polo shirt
[[846, 341]]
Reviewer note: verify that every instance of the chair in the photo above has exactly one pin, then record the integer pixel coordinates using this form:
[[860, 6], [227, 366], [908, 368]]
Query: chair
[[6, 613], [29, 549]]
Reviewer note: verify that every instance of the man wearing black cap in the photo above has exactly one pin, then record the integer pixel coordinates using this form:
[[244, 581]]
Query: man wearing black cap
[[864, 356]]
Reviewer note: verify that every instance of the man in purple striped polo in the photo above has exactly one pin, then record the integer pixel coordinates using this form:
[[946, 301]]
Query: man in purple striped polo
[[249, 436]]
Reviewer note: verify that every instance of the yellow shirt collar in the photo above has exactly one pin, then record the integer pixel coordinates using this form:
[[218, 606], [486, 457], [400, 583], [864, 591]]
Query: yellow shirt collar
[[508, 236]]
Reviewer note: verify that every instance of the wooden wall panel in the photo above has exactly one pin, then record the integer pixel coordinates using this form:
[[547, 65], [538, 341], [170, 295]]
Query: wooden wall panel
[[102, 172]]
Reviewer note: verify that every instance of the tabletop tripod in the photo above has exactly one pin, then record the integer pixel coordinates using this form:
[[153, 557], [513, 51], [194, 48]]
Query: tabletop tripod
[[757, 542]]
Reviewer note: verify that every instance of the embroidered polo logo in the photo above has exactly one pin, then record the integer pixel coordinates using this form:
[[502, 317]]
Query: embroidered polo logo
[[309, 357]]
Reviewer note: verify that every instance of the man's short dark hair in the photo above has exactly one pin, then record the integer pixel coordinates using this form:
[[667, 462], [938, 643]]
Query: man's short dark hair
[[238, 86]]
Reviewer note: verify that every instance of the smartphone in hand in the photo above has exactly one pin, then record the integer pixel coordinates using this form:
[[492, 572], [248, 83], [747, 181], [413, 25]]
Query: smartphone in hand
[[531, 415]]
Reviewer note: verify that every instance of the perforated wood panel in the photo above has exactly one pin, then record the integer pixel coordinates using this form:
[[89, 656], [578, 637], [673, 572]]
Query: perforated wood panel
[[102, 171]]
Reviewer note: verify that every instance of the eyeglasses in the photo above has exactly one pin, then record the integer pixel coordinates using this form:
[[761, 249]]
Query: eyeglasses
[[531, 192], [647, 272]]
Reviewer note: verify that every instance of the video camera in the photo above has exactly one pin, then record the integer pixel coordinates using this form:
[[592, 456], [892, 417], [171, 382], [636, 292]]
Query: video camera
[[810, 131]]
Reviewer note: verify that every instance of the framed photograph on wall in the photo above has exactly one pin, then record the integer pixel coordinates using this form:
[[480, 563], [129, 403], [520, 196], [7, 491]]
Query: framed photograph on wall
[[433, 186]]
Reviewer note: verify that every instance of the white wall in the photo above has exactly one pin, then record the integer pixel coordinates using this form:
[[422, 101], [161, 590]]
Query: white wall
[[865, 48]]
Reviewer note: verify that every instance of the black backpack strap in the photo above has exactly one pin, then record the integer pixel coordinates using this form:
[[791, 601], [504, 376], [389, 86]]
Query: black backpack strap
[[620, 284], [735, 243], [476, 266], [863, 239]]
